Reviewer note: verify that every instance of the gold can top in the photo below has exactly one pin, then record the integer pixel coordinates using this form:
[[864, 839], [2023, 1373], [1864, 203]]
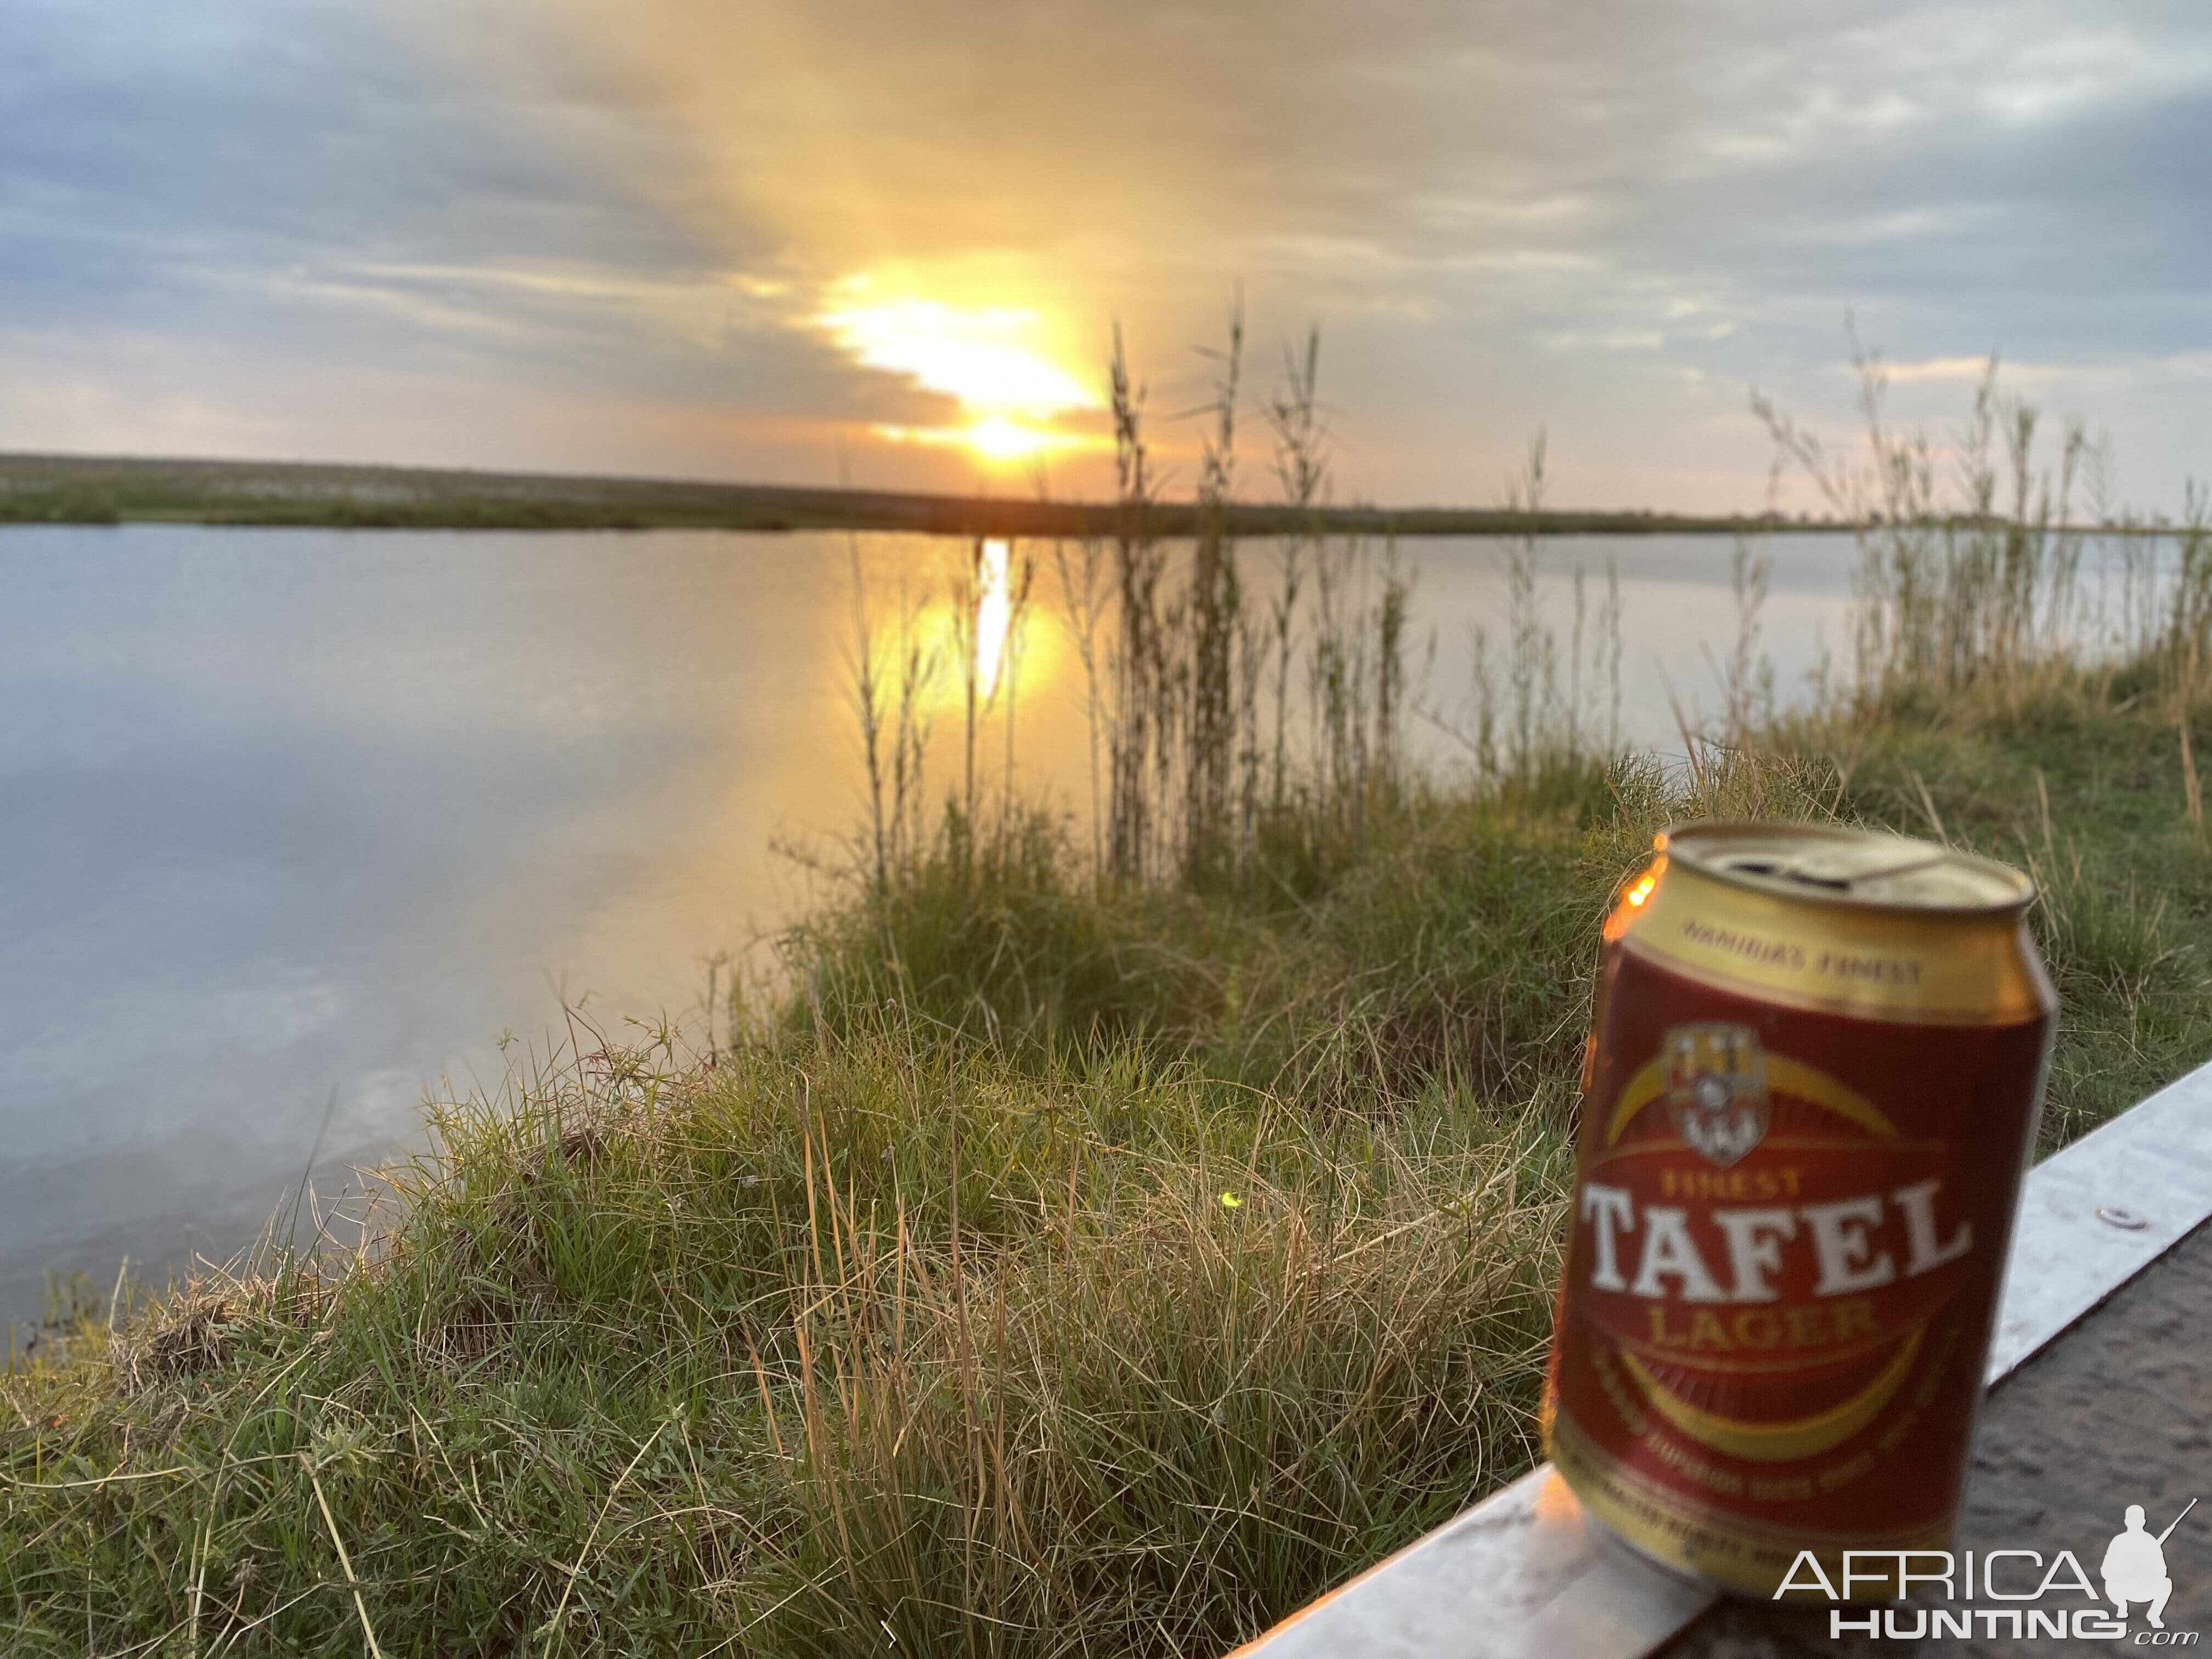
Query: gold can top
[[1875, 927], [1822, 863]]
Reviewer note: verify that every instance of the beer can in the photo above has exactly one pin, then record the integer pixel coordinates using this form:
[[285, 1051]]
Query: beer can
[[1810, 1094]]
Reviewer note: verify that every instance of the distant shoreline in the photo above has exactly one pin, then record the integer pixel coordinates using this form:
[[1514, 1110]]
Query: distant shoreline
[[103, 489], [88, 490]]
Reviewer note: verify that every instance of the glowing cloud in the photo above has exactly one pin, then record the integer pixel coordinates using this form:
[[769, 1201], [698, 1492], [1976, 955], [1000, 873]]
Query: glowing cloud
[[992, 359], [993, 438]]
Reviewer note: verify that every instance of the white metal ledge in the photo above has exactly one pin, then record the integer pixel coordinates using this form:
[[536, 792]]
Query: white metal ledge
[[1522, 1574]]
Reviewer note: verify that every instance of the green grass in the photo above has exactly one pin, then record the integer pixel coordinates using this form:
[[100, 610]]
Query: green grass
[[1062, 1271], [2077, 777], [880, 1338]]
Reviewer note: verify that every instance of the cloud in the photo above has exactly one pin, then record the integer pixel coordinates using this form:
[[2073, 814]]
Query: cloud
[[1607, 219]]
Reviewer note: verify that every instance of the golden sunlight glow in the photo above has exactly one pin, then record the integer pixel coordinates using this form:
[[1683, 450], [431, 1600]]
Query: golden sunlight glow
[[999, 437], [994, 612], [995, 438], [995, 361]]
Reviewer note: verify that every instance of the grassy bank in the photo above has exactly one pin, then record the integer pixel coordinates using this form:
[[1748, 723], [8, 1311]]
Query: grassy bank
[[1098, 1241], [1222, 1270]]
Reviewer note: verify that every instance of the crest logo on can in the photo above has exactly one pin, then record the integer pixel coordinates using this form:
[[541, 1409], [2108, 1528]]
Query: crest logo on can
[[1716, 1090]]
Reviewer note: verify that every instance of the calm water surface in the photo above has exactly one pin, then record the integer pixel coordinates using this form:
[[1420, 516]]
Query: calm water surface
[[296, 817]]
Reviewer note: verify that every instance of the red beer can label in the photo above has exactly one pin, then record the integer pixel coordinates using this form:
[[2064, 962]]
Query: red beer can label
[[1805, 1120]]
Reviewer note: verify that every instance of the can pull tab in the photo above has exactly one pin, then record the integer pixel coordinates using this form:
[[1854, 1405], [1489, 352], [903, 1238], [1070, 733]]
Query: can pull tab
[[1775, 869], [1835, 870]]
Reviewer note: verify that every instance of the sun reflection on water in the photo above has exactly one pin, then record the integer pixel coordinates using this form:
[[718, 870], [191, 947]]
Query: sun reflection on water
[[995, 613]]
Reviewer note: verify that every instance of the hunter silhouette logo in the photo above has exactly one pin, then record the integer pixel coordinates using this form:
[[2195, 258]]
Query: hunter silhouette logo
[[1716, 1090], [2135, 1565]]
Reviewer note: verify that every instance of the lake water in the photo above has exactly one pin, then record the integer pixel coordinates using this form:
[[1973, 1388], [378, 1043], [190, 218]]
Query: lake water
[[298, 821]]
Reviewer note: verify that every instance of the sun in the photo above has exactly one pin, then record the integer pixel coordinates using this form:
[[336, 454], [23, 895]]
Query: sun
[[1002, 438], [996, 362]]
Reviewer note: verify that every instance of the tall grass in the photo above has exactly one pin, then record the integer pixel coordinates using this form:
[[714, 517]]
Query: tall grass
[[1193, 671], [1972, 550], [1248, 711], [1525, 715], [2027, 679]]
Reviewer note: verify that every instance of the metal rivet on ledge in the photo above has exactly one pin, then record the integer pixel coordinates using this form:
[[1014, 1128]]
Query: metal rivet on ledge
[[2113, 1215]]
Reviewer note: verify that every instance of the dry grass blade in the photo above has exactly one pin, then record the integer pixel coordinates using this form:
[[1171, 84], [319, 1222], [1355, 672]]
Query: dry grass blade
[[368, 1630], [552, 1630]]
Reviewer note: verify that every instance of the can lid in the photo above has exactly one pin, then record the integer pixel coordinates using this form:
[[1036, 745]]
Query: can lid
[[1825, 864]]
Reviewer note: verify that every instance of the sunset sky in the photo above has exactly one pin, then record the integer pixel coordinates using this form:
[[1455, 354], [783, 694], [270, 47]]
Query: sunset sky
[[794, 241]]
